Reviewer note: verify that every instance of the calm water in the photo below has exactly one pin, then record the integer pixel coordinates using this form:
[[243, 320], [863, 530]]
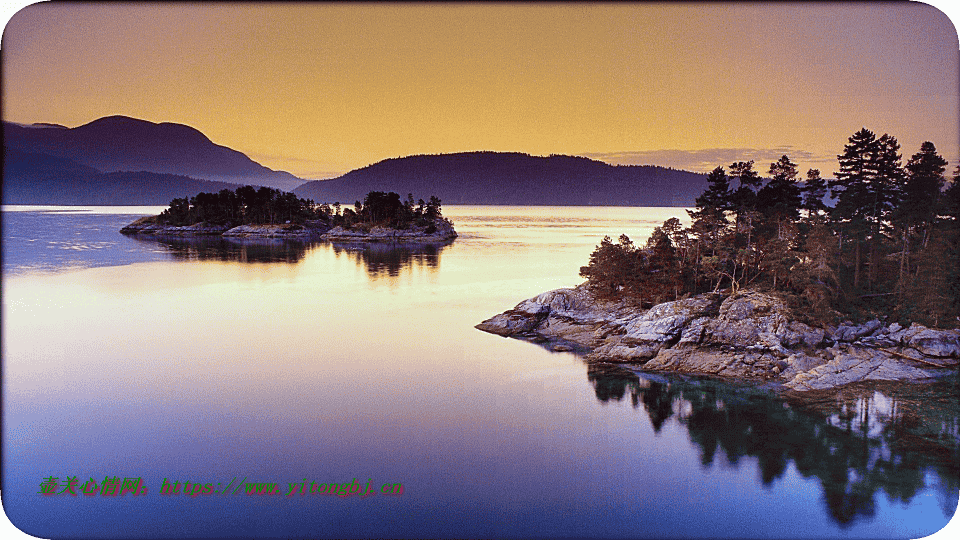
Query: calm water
[[215, 361]]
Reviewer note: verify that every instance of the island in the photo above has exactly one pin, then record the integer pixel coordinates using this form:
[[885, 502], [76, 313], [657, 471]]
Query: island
[[770, 285], [250, 212]]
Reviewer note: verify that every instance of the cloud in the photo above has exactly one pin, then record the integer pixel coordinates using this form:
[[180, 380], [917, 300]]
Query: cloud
[[707, 159]]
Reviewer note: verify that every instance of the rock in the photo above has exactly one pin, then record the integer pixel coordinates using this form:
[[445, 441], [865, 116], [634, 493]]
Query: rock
[[749, 319], [852, 333], [519, 320], [149, 226], [939, 343], [268, 231], [694, 332], [439, 231], [747, 336], [857, 364]]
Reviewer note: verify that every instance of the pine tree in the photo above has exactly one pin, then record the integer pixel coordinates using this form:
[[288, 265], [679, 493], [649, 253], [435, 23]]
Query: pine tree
[[813, 192], [851, 189], [709, 218], [884, 192], [744, 199], [781, 199], [950, 225], [744, 203], [921, 190], [914, 217], [716, 198], [885, 187]]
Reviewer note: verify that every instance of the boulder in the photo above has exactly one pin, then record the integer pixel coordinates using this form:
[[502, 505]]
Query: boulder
[[851, 333], [938, 343]]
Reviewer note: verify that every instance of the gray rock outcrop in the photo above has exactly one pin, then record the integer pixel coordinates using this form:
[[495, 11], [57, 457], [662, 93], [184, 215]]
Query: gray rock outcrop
[[749, 335], [440, 230], [149, 226]]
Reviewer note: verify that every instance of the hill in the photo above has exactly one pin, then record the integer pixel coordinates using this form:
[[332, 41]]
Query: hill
[[31, 178], [120, 143], [514, 179]]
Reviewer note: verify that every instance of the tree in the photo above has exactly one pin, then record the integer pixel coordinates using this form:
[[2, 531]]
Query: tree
[[433, 207], [380, 207], [612, 267], [850, 188], [744, 203], [744, 199], [780, 199], [949, 224], [709, 217], [885, 187], [921, 190], [814, 277], [661, 275], [915, 215], [813, 193]]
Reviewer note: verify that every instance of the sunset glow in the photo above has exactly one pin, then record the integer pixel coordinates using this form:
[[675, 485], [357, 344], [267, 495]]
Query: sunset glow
[[320, 89]]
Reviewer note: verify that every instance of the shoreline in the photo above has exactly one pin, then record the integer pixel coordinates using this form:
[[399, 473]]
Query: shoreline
[[440, 230], [749, 337]]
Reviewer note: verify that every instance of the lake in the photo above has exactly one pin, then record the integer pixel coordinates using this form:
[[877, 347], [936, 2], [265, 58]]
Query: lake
[[227, 363]]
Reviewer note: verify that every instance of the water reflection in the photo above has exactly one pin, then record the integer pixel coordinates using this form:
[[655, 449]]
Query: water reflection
[[388, 259], [857, 441], [378, 259], [244, 250]]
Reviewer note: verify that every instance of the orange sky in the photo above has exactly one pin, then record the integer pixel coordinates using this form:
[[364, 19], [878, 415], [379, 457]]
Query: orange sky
[[320, 89]]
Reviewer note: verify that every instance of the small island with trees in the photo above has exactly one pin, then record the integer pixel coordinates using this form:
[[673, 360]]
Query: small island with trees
[[270, 213], [769, 283]]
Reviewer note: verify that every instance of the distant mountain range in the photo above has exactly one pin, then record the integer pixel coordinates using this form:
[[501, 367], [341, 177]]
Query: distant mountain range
[[514, 179], [118, 144], [42, 179], [121, 160]]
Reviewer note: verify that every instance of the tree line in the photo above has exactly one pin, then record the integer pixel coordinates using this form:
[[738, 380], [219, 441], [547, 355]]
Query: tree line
[[888, 245], [264, 205]]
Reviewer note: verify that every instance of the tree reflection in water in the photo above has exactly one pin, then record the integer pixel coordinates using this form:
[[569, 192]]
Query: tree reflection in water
[[246, 250], [379, 259], [856, 441], [387, 259]]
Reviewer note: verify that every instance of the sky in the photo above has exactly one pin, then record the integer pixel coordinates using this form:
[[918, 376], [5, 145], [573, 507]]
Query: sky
[[321, 89]]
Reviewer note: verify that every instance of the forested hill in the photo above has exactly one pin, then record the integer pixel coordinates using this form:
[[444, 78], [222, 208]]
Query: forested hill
[[514, 179]]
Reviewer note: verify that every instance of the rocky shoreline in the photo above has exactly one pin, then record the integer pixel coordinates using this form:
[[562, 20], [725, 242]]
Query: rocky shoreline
[[748, 336], [440, 230]]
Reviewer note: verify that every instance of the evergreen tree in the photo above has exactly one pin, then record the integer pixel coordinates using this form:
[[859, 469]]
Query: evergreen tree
[[716, 198], [744, 203], [950, 226], [884, 192], [612, 267], [850, 189], [917, 211], [921, 190], [781, 198], [885, 187], [813, 193], [744, 199], [709, 218]]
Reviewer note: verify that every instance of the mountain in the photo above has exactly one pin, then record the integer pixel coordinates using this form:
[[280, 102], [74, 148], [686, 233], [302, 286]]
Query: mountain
[[31, 178], [120, 143], [513, 179]]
